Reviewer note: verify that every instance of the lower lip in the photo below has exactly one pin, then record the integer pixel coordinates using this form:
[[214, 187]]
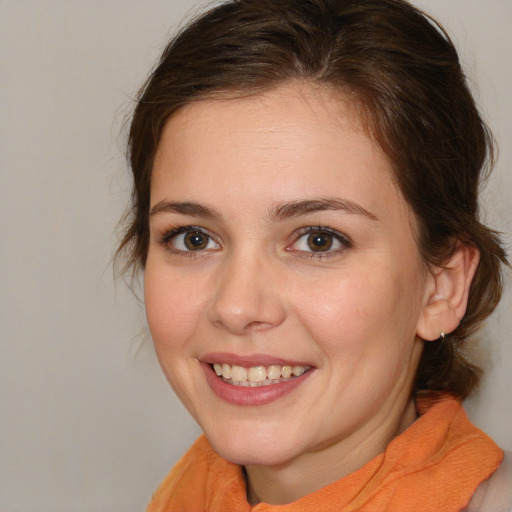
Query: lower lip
[[241, 395]]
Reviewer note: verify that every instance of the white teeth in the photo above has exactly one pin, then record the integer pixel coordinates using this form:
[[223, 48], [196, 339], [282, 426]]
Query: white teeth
[[298, 370], [274, 372], [238, 373], [286, 372], [257, 375], [226, 371]]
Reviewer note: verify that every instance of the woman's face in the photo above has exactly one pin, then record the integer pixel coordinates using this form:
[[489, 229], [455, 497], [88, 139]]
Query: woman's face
[[280, 243]]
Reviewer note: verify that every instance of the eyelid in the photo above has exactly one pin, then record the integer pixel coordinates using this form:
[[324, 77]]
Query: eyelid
[[343, 239], [170, 234]]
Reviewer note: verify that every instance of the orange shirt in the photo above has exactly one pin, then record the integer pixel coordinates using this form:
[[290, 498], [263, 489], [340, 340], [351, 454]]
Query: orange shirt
[[435, 465]]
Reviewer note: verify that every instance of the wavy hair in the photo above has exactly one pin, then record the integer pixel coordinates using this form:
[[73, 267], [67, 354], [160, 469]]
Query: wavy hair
[[401, 70]]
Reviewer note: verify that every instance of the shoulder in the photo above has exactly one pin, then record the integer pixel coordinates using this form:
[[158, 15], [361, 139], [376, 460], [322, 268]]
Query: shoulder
[[495, 493]]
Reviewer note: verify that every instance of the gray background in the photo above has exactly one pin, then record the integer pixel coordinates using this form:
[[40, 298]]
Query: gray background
[[87, 423]]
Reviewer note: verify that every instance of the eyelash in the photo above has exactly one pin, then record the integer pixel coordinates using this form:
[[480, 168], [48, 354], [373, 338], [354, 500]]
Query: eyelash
[[344, 242], [172, 234]]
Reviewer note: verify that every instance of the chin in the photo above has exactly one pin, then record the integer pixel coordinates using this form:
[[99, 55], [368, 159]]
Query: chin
[[253, 456], [256, 448]]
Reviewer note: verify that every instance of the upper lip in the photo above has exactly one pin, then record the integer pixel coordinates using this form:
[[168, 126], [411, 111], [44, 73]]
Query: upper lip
[[250, 360]]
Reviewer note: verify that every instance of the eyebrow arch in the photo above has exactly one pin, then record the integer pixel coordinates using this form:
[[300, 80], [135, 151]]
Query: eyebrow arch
[[184, 208], [278, 212], [305, 207]]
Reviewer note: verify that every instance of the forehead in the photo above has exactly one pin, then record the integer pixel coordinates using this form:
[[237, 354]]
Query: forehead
[[297, 139]]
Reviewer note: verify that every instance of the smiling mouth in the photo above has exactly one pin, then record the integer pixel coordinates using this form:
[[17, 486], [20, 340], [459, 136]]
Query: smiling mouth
[[256, 376]]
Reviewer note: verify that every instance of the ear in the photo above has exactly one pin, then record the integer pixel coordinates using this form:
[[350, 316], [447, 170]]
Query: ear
[[447, 293]]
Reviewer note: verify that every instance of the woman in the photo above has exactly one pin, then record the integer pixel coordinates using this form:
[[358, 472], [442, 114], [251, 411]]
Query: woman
[[305, 211]]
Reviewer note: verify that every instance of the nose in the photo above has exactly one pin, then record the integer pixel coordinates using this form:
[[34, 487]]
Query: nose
[[248, 295]]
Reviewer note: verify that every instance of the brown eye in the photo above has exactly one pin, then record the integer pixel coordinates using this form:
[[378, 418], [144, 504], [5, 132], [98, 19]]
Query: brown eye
[[319, 241], [195, 240], [189, 239]]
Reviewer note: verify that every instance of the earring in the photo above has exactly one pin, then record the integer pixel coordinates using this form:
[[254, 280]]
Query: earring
[[441, 337]]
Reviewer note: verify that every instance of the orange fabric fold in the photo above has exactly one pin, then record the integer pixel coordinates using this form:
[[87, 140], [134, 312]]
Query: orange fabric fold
[[435, 465]]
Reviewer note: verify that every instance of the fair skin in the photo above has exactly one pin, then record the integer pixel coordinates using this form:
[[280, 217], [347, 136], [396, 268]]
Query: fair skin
[[278, 238]]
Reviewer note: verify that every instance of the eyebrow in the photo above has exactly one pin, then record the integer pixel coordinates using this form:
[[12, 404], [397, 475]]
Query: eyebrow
[[305, 207], [184, 208], [280, 211]]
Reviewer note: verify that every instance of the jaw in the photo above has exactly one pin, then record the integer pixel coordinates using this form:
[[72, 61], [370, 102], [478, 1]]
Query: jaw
[[284, 483]]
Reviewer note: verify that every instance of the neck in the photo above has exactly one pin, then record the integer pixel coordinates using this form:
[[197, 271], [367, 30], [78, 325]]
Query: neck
[[311, 471]]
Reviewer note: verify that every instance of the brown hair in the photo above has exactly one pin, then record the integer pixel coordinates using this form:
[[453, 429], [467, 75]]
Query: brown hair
[[402, 71]]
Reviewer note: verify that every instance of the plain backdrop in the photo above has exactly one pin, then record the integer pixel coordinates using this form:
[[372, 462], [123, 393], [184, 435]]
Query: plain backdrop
[[87, 422]]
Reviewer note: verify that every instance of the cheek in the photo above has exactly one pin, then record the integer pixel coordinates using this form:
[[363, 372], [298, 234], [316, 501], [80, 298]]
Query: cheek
[[172, 315], [171, 309], [341, 304], [359, 316]]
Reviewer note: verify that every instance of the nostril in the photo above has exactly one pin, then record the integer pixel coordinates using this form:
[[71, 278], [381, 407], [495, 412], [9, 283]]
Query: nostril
[[257, 326], [243, 301], [253, 326]]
